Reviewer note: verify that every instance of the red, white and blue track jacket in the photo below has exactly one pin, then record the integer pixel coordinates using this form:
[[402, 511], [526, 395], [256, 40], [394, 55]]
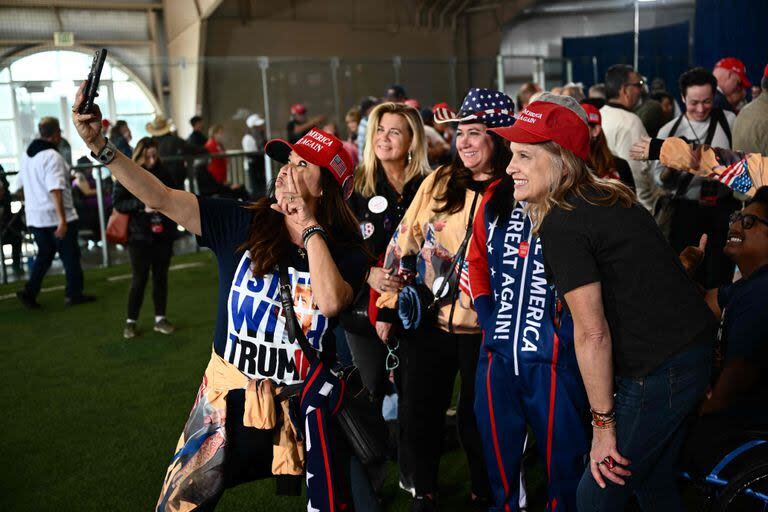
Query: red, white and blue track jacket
[[519, 311]]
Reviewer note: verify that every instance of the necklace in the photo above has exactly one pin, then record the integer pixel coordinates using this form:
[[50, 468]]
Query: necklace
[[302, 253], [698, 141]]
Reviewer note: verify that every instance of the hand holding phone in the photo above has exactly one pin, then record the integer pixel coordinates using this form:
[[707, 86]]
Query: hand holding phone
[[92, 82]]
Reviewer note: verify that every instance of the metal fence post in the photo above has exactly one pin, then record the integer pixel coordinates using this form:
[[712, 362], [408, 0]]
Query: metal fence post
[[102, 224], [335, 83], [594, 69], [500, 73], [397, 61], [452, 88], [264, 66], [3, 271]]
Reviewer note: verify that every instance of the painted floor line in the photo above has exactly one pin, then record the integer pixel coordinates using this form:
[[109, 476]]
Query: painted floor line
[[121, 277], [49, 289]]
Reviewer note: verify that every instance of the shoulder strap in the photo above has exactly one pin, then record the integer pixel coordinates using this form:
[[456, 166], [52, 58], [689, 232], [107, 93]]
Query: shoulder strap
[[291, 323], [675, 126], [686, 178], [458, 257], [718, 115]]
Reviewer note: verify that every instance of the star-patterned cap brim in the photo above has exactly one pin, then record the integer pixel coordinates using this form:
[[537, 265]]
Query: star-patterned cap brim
[[488, 106]]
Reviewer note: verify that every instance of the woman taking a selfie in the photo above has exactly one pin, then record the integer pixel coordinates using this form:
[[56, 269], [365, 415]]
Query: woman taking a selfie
[[304, 226]]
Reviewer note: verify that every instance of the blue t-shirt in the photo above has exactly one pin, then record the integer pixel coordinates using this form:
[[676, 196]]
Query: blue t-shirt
[[250, 328]]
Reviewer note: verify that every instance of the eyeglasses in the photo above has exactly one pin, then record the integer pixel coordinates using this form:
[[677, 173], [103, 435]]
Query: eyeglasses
[[747, 221], [639, 84], [393, 361]]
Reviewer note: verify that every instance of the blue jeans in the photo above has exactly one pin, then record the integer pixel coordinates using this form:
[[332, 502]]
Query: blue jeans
[[651, 414], [69, 252]]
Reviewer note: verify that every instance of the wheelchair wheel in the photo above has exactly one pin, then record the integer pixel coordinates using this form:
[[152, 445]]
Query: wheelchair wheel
[[746, 492]]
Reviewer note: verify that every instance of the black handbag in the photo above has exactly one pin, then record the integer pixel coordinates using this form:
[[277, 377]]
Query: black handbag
[[359, 416], [355, 318]]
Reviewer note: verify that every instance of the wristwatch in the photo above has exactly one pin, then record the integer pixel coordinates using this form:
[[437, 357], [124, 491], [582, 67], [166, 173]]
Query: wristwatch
[[107, 153]]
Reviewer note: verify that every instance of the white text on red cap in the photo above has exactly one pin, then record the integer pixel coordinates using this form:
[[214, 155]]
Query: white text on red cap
[[529, 117]]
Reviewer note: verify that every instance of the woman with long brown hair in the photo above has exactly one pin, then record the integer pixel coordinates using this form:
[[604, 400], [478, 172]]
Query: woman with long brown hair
[[431, 242], [150, 243], [304, 228], [643, 334], [604, 163]]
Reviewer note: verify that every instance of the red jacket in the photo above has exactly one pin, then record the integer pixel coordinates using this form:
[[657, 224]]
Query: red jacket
[[217, 167]]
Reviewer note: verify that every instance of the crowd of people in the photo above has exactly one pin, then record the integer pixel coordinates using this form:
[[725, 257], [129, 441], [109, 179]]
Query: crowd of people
[[571, 270]]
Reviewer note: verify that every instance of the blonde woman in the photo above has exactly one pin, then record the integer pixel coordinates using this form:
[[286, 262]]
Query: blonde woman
[[394, 165], [643, 334]]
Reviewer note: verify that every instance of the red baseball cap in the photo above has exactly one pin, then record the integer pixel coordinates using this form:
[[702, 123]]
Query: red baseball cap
[[551, 117], [298, 109], [593, 114], [738, 67], [319, 148], [765, 71]]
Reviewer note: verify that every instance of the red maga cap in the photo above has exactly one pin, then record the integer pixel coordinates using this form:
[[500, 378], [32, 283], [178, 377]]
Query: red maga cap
[[738, 67], [542, 121], [298, 109], [593, 114], [319, 148]]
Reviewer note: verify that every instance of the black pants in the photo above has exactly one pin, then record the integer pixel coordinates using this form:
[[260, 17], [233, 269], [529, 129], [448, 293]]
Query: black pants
[[433, 359], [146, 257]]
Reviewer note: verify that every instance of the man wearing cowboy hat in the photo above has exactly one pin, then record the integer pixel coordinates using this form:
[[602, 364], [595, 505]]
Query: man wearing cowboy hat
[[169, 145]]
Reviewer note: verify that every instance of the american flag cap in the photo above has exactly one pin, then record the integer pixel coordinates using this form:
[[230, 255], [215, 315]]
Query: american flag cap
[[488, 106]]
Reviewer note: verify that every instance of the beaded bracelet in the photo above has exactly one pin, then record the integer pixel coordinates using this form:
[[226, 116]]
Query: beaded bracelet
[[603, 420], [312, 230]]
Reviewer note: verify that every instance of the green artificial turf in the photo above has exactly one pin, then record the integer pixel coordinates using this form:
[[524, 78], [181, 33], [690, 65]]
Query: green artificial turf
[[90, 420]]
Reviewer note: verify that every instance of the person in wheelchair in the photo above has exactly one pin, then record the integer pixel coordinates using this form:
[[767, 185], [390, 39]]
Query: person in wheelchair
[[728, 439], [740, 386]]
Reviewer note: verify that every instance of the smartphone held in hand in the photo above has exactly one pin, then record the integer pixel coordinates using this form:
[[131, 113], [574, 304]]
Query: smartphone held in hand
[[92, 82]]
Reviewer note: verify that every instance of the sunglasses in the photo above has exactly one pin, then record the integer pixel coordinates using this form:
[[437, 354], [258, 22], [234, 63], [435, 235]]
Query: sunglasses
[[393, 361], [747, 221]]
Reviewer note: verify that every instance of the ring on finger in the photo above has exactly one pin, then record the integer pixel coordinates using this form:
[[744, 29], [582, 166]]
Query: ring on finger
[[609, 462]]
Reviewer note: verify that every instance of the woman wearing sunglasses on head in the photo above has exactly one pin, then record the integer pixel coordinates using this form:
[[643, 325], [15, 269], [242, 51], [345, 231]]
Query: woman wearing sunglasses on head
[[240, 428]]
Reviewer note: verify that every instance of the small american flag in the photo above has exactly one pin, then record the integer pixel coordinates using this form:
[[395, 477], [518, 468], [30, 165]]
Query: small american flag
[[464, 278], [736, 176]]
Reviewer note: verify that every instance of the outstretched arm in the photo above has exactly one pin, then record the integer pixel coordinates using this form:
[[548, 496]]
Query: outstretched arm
[[177, 205]]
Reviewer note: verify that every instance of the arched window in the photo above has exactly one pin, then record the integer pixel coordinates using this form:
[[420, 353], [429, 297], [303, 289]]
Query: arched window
[[44, 84]]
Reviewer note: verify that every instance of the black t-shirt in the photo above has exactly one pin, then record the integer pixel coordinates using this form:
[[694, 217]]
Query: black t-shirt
[[654, 311], [250, 326]]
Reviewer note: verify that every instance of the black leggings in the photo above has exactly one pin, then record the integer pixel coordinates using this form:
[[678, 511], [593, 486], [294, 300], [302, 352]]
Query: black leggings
[[433, 359], [157, 257]]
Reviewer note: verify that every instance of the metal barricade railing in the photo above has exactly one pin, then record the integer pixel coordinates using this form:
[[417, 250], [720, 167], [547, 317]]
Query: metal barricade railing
[[236, 174]]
